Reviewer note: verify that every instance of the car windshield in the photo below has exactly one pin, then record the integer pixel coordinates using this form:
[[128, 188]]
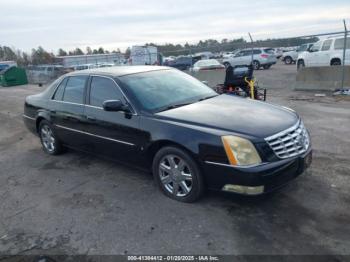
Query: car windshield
[[210, 62], [164, 89]]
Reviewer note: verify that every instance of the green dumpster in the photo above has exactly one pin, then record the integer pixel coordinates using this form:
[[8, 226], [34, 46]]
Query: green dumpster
[[13, 76]]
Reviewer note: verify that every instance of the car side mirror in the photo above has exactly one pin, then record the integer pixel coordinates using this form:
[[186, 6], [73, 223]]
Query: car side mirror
[[115, 106]]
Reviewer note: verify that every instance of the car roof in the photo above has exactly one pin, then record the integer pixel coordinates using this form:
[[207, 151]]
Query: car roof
[[117, 71]]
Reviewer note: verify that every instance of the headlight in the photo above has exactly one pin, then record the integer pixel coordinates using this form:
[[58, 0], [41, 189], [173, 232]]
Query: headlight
[[240, 151]]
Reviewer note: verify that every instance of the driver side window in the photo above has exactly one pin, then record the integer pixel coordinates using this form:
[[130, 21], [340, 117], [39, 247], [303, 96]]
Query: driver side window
[[316, 47], [102, 89]]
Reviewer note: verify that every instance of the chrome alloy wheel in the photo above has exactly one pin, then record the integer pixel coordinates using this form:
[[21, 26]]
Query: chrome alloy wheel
[[176, 175], [47, 138]]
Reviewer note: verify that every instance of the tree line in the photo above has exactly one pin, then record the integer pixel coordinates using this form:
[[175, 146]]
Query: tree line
[[41, 56]]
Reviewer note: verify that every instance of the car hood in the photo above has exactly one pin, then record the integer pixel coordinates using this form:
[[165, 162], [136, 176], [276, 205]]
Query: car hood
[[234, 115]]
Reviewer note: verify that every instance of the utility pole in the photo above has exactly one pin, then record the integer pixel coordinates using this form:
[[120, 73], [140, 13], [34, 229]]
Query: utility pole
[[344, 49], [251, 40]]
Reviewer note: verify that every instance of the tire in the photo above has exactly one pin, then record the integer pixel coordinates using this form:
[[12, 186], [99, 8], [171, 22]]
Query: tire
[[300, 64], [336, 63], [266, 66], [49, 141], [177, 174], [288, 60], [227, 64], [256, 65]]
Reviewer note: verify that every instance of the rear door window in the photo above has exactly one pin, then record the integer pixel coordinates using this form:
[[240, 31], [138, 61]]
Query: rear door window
[[326, 45], [60, 90], [102, 89], [74, 91]]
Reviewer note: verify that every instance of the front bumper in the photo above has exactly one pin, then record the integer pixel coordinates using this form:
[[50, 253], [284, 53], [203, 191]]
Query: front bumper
[[269, 176]]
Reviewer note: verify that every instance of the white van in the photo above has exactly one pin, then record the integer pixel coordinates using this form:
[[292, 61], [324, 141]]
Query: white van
[[328, 52]]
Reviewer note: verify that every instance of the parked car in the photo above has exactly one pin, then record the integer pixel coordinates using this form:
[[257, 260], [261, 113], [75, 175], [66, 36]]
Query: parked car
[[182, 62], [278, 52], [230, 54], [84, 66], [292, 56], [166, 121], [7, 64], [262, 57], [208, 64], [327, 52], [205, 55]]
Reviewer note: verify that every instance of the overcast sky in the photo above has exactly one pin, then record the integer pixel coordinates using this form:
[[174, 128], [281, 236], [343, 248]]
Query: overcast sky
[[122, 23]]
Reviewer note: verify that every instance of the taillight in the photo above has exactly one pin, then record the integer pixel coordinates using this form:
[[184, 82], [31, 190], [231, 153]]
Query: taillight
[[264, 56]]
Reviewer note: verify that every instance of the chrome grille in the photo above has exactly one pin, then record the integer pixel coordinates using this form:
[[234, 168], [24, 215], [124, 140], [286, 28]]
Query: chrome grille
[[290, 142]]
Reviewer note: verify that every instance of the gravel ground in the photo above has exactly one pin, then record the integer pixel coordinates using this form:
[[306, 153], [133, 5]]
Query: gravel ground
[[79, 204]]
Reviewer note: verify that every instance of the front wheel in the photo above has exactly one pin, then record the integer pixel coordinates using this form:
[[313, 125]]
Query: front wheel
[[227, 64], [300, 64], [49, 140], [256, 65], [288, 60], [177, 174]]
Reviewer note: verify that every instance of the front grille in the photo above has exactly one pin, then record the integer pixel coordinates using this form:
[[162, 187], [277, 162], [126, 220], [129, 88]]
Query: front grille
[[290, 142]]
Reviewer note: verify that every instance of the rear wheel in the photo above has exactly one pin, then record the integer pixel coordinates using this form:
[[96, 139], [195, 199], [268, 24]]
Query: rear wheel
[[256, 65], [335, 62], [49, 140], [177, 174], [288, 60]]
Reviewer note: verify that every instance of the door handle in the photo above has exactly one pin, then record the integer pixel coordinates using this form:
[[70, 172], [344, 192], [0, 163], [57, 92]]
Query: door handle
[[91, 118]]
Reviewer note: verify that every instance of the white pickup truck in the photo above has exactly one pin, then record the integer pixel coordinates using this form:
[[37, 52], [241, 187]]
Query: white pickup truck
[[327, 52]]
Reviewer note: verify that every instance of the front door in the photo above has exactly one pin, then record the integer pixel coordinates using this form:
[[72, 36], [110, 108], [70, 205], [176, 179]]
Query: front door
[[113, 134], [313, 56]]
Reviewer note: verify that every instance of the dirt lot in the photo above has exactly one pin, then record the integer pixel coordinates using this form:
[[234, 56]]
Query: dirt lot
[[79, 204]]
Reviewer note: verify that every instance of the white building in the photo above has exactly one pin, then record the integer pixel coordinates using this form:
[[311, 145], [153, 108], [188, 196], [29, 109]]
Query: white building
[[95, 59]]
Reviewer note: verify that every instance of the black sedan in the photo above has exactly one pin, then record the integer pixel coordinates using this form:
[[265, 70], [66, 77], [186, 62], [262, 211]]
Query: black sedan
[[166, 121]]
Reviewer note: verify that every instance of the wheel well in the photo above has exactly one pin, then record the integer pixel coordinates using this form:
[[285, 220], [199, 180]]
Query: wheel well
[[335, 60], [156, 146], [288, 56], [38, 120]]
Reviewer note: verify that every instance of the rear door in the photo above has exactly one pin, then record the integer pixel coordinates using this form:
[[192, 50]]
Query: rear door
[[67, 110], [324, 54], [338, 49], [113, 134]]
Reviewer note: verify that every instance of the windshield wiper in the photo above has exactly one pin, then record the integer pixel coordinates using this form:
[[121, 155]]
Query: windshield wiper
[[173, 106], [207, 97]]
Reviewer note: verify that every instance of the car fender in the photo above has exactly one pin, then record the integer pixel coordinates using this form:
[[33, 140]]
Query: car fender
[[199, 141]]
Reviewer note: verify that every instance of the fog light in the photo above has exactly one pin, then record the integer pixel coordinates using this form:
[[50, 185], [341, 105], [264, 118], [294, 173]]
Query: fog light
[[246, 190]]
